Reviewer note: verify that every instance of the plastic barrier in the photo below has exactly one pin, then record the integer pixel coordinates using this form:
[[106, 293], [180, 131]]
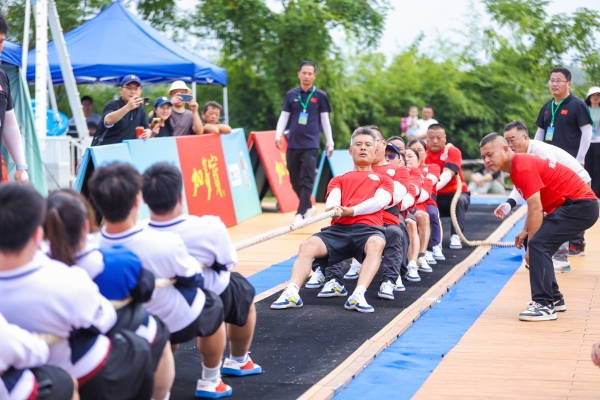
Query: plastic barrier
[[339, 163], [241, 179], [95, 157], [205, 177], [270, 169]]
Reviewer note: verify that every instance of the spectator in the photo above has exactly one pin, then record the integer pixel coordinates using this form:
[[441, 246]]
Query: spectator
[[184, 122], [412, 123], [211, 114], [398, 142], [425, 122], [120, 118], [92, 119], [92, 128], [161, 125], [484, 181], [592, 158]]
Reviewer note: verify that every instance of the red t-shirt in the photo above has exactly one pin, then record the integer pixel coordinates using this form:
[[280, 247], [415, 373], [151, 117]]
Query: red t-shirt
[[356, 187], [453, 162], [431, 169], [416, 180], [398, 174], [554, 181]]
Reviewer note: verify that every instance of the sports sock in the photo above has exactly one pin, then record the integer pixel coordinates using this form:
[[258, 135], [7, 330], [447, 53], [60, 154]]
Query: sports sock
[[293, 287], [211, 374], [412, 263], [360, 289], [242, 359], [421, 255]]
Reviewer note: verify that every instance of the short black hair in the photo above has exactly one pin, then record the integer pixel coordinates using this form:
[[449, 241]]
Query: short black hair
[[303, 63], [428, 106], [88, 98], [422, 142], [3, 25], [113, 190], [436, 127], [162, 187], [212, 104], [489, 138], [395, 138], [22, 211], [376, 128], [563, 71], [520, 125]]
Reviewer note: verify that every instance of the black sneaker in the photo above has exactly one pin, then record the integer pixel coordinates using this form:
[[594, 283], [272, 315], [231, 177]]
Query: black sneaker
[[560, 306], [538, 312], [575, 252]]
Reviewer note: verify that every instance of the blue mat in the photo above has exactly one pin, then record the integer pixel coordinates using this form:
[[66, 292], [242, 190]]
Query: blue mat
[[490, 201], [401, 369], [272, 276]]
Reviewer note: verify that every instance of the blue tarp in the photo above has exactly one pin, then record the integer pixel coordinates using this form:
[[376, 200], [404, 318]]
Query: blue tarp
[[11, 54], [116, 43]]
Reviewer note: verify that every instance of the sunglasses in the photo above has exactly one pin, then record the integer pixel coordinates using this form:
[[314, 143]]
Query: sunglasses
[[392, 156]]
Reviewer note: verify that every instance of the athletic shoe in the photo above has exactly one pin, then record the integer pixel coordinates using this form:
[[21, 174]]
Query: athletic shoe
[[437, 253], [317, 280], [211, 390], [399, 287], [527, 266], [386, 290], [560, 306], [288, 299], [412, 274], [354, 270], [429, 258], [333, 289], [310, 212], [575, 252], [232, 367], [455, 242], [357, 302], [423, 266], [538, 312], [561, 266], [298, 218]]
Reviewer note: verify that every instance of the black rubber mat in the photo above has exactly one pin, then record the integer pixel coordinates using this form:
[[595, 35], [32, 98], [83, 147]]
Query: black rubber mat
[[298, 347]]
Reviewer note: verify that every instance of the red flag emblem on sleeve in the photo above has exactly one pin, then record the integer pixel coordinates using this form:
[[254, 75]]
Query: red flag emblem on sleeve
[[313, 100], [546, 112], [564, 112]]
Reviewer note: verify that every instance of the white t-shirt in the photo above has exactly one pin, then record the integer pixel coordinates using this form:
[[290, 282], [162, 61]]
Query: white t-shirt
[[20, 350], [412, 131], [424, 125], [46, 296], [208, 242], [165, 255]]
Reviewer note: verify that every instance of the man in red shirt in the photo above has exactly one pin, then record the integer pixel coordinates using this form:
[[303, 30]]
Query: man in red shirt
[[450, 165], [359, 197], [570, 207]]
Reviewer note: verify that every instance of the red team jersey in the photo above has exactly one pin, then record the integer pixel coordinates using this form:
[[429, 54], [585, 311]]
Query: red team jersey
[[554, 181], [455, 160], [431, 169], [398, 174], [356, 187]]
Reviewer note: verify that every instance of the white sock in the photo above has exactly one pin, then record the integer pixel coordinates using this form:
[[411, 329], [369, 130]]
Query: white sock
[[211, 374], [412, 263], [360, 289], [242, 359], [293, 287]]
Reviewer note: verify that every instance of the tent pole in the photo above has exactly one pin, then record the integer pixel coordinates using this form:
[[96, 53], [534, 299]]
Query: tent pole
[[52, 97], [225, 105], [194, 88], [41, 72], [26, 28], [67, 71]]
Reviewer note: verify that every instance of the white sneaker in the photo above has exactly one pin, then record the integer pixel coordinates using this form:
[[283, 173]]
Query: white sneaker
[[288, 299], [386, 290], [354, 270], [561, 266], [437, 253], [429, 258], [399, 285], [310, 212], [357, 302], [455, 242], [413, 274], [211, 390], [423, 266], [317, 280], [298, 218], [333, 289]]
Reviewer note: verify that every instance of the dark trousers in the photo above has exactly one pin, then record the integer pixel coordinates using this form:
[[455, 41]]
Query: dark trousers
[[405, 245], [562, 225], [434, 222], [592, 166], [444, 201], [578, 241], [301, 164]]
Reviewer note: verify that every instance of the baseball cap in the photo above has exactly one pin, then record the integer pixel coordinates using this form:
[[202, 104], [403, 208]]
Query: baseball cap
[[179, 85], [131, 78], [393, 147], [161, 101], [593, 89]]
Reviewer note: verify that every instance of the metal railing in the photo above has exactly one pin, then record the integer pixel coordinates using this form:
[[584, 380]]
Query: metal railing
[[62, 157]]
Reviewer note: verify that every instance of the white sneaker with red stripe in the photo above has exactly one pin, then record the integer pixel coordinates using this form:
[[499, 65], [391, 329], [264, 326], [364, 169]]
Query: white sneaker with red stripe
[[211, 390], [232, 367]]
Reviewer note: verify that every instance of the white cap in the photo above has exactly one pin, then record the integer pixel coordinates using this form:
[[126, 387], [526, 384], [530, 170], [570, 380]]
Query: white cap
[[593, 89], [179, 85]]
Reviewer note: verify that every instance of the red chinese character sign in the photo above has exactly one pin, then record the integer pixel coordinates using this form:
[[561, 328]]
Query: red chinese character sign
[[273, 161], [205, 177]]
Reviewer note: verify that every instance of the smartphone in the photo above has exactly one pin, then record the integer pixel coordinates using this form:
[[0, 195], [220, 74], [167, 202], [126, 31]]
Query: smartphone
[[146, 101], [154, 122], [186, 98]]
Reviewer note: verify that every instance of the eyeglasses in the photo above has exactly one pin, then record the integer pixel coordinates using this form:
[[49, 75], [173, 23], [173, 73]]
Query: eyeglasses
[[391, 156], [556, 82], [132, 88]]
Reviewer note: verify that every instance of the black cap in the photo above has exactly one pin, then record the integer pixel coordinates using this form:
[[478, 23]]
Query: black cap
[[393, 147], [131, 78]]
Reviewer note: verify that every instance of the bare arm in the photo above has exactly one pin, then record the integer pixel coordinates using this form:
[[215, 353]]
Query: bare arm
[[198, 127]]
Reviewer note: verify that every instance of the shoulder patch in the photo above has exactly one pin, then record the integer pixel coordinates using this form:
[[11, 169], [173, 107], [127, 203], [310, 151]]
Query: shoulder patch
[[391, 172], [374, 177]]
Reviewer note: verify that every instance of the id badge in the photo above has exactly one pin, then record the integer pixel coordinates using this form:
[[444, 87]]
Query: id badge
[[303, 118], [549, 134], [594, 132]]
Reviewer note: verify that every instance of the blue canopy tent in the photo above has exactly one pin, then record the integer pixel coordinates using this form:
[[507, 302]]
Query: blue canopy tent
[[11, 54], [116, 43]]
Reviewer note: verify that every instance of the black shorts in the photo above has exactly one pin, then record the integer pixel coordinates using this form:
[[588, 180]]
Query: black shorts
[[237, 298], [346, 241], [53, 383], [158, 346], [127, 374], [207, 323]]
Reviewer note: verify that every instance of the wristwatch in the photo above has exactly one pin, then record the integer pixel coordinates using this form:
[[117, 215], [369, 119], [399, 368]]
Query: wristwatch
[[23, 167]]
